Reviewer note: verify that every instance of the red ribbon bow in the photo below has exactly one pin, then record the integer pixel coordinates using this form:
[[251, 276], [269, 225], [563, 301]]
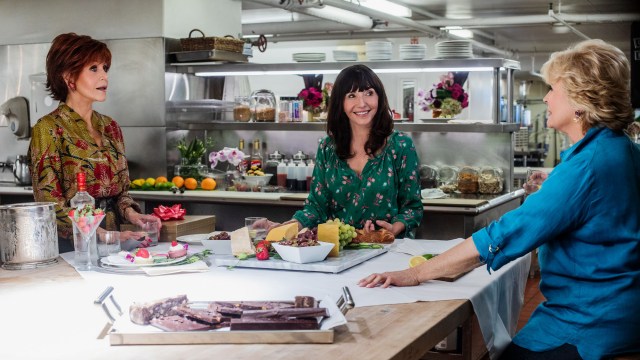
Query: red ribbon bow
[[169, 213]]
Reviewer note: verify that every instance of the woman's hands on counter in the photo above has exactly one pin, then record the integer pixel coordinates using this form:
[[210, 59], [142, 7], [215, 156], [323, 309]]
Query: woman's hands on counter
[[396, 228], [408, 277]]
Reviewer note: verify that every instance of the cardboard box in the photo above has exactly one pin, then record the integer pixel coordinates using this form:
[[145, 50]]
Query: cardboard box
[[192, 224]]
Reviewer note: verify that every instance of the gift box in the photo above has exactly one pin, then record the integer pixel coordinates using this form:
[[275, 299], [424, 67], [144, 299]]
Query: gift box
[[192, 224]]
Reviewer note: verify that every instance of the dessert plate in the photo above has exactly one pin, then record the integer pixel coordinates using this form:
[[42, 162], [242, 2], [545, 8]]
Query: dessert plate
[[118, 261]]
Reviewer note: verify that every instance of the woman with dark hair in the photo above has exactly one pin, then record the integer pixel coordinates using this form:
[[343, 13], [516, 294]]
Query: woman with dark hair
[[366, 174], [584, 220], [75, 138]]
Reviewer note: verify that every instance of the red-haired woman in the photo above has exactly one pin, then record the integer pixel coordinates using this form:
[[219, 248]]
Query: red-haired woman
[[76, 138]]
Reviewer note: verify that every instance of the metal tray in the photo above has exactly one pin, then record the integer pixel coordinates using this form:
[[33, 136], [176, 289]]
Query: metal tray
[[209, 55], [347, 259]]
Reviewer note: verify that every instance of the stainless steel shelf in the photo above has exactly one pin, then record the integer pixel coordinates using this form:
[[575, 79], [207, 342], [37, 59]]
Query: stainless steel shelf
[[422, 65], [321, 126]]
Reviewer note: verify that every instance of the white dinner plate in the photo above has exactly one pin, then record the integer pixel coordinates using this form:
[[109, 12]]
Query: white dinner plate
[[194, 239], [119, 261]]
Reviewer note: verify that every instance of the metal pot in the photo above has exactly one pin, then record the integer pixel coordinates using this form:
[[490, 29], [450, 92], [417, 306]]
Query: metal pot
[[21, 170], [28, 235]]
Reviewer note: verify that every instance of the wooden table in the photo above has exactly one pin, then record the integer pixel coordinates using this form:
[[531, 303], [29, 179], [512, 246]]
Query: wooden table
[[41, 317]]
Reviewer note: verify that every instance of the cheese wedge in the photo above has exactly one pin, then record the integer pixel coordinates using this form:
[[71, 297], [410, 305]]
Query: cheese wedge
[[241, 242], [283, 232], [330, 233]]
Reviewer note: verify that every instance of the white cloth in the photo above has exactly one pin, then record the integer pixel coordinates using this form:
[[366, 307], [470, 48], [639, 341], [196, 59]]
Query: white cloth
[[497, 297]]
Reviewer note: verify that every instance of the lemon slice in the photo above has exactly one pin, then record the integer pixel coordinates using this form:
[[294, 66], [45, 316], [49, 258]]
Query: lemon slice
[[416, 260]]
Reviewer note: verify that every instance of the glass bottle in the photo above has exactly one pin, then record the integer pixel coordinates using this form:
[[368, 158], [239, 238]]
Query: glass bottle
[[301, 177], [256, 155], [271, 166], [244, 163], [86, 255]]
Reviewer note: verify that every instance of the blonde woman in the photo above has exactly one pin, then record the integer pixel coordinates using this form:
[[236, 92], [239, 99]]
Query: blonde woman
[[584, 220]]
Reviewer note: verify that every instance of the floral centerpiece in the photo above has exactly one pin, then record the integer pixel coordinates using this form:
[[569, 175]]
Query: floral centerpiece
[[191, 155], [314, 98], [234, 158], [447, 98]]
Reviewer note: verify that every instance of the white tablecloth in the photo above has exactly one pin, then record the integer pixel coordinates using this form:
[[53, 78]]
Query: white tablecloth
[[497, 297]]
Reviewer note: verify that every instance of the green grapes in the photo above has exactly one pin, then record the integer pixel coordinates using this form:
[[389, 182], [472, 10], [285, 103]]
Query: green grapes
[[346, 232]]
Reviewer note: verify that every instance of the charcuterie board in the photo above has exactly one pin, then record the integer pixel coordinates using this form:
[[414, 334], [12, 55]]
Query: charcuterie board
[[346, 260]]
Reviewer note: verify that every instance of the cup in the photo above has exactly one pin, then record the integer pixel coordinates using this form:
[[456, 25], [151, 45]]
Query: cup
[[109, 244], [256, 232], [533, 181], [151, 230]]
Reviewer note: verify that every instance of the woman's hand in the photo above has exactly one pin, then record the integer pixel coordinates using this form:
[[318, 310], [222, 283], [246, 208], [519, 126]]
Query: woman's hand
[[534, 181], [406, 277], [140, 219], [396, 228]]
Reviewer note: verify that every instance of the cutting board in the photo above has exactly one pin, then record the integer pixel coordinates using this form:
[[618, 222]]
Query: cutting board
[[453, 278], [295, 197], [454, 202], [192, 224]]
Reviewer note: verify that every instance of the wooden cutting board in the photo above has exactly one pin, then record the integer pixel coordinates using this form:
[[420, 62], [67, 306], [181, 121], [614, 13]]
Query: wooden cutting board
[[454, 202], [453, 277], [295, 197]]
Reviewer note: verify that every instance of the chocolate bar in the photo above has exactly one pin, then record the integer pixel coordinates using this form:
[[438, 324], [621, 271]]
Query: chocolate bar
[[201, 315], [274, 324], [305, 302], [286, 313], [178, 323], [142, 314]]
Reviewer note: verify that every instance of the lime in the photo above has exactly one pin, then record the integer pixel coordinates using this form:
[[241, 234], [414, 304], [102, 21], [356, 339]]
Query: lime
[[416, 260], [428, 256]]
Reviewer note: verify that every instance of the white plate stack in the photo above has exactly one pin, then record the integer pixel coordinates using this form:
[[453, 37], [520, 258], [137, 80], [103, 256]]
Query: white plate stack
[[413, 51], [345, 55], [378, 50], [454, 49], [309, 57]]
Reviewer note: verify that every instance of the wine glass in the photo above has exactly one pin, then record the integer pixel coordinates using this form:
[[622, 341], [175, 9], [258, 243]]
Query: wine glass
[[84, 230]]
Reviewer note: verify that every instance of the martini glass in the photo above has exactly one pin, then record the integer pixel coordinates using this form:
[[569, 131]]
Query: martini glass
[[85, 229]]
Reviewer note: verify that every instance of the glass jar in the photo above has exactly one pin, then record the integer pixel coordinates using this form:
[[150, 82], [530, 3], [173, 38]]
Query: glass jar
[[448, 178], [242, 109], [490, 180], [284, 110], [263, 103], [468, 180], [428, 177]]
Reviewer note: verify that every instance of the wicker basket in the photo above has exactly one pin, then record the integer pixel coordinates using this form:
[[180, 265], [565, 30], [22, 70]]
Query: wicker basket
[[227, 43]]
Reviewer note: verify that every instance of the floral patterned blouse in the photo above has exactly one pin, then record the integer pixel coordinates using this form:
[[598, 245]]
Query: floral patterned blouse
[[61, 146], [388, 188]]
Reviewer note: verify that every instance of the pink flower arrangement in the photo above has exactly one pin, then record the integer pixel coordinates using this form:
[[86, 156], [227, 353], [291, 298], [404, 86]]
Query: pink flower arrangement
[[232, 155], [448, 95], [311, 97]]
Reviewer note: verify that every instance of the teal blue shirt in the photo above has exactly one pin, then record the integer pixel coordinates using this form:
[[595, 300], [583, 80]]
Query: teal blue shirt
[[388, 188], [585, 220]]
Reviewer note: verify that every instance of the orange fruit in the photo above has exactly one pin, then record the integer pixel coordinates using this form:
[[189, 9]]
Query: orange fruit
[[190, 183], [178, 181], [208, 184], [161, 179]]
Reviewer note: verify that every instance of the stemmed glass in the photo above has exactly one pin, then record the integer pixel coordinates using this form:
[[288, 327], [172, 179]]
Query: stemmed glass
[[85, 226]]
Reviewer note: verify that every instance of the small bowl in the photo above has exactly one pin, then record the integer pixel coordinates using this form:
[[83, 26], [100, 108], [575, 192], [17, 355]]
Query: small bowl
[[218, 247], [253, 181], [303, 255]]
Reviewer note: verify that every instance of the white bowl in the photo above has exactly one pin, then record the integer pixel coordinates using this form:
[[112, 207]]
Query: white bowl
[[305, 254], [218, 247], [257, 180]]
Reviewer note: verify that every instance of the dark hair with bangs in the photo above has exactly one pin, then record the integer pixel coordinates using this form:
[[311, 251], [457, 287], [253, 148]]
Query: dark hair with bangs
[[68, 55], [357, 78]]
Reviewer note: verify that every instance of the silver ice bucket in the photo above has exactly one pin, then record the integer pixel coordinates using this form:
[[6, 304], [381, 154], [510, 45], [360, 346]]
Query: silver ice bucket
[[28, 235]]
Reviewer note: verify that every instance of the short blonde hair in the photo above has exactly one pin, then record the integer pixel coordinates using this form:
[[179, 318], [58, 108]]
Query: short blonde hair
[[597, 79]]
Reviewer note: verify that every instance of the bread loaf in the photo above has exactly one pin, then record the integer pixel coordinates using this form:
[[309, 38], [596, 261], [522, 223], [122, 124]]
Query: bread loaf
[[381, 236]]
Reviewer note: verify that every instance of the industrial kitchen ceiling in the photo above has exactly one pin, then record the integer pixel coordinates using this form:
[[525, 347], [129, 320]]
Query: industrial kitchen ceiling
[[527, 30]]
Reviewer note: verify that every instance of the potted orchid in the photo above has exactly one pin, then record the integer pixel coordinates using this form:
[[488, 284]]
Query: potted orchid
[[233, 157]]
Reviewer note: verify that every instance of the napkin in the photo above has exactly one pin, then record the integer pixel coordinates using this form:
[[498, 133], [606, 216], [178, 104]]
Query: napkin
[[407, 246], [433, 194], [198, 266], [420, 247]]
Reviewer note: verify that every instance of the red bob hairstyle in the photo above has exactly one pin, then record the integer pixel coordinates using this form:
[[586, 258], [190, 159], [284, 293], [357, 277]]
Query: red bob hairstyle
[[68, 55]]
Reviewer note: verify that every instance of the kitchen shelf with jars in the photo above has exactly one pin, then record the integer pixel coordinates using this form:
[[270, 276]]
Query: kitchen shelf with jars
[[461, 142]]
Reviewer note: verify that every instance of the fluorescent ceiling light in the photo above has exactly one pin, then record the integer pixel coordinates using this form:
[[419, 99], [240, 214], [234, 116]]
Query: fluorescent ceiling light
[[335, 71], [386, 7], [459, 31]]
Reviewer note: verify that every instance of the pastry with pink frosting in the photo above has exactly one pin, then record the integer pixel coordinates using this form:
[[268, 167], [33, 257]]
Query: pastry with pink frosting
[[177, 250]]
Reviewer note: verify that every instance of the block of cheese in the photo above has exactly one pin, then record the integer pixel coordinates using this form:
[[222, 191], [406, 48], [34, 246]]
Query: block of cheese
[[330, 233], [283, 232], [241, 242]]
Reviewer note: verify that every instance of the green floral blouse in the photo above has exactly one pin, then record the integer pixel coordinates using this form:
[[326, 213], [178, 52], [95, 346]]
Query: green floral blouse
[[61, 146], [388, 188]]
